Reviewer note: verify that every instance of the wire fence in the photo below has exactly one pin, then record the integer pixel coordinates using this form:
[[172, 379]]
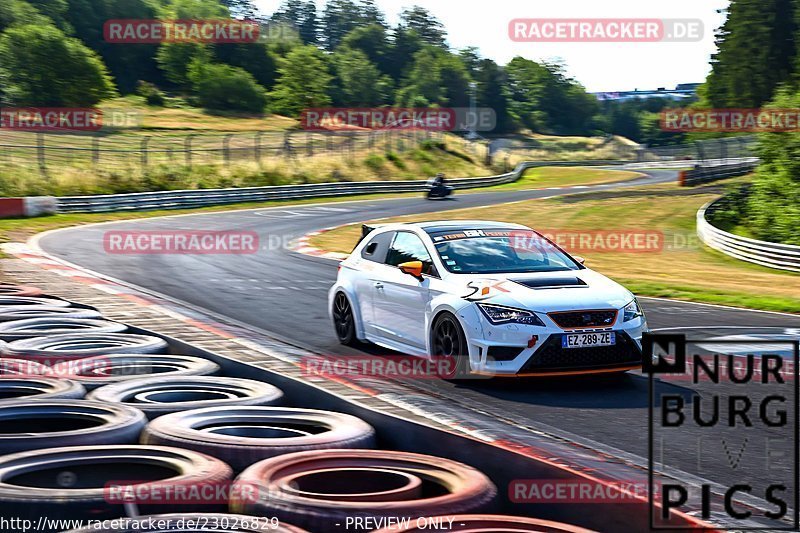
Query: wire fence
[[49, 151], [708, 152]]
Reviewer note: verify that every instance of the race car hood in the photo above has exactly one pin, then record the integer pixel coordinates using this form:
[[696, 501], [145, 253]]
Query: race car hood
[[551, 291]]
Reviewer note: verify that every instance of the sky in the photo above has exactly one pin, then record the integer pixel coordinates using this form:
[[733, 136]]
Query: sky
[[598, 66]]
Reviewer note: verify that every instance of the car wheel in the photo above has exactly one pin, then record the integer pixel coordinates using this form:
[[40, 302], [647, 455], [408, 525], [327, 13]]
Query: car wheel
[[343, 320], [449, 347]]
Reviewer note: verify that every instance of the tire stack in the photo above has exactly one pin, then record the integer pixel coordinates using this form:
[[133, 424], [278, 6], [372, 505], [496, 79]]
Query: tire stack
[[98, 423]]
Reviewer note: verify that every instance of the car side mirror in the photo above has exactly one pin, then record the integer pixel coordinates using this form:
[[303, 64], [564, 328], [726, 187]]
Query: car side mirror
[[579, 259], [412, 268]]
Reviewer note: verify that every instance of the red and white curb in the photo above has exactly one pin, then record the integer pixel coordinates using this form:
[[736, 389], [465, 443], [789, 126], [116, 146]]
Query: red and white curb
[[303, 246]]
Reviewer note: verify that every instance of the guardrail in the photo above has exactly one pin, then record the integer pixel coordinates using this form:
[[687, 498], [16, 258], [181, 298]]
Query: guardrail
[[206, 197], [768, 254], [717, 171]]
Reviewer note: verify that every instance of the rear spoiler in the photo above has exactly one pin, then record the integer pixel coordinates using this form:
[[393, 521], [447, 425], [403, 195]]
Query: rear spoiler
[[366, 229]]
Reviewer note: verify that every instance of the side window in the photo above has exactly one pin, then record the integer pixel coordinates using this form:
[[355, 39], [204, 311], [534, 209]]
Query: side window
[[378, 247], [408, 247]]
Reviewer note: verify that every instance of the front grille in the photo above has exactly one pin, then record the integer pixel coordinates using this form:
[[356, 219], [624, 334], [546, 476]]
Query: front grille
[[552, 357], [504, 353], [584, 319]]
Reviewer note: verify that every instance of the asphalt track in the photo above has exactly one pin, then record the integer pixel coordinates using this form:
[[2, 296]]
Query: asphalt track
[[283, 292]]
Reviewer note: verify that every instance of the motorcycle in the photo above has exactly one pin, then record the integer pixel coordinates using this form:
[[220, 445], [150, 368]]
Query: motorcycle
[[438, 192]]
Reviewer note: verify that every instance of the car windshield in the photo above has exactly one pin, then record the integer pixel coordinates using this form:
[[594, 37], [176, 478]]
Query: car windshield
[[480, 252]]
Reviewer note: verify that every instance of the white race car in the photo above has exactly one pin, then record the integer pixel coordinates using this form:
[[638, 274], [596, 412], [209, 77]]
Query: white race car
[[495, 298]]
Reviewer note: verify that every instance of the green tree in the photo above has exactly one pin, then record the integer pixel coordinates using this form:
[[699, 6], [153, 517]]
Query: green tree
[[19, 12], [255, 58], [241, 9], [175, 58], [226, 88], [358, 81], [56, 11], [772, 209], [40, 66], [407, 43], [544, 99], [304, 81], [491, 80], [373, 41], [756, 52], [430, 30], [309, 23], [339, 18], [127, 63], [438, 78]]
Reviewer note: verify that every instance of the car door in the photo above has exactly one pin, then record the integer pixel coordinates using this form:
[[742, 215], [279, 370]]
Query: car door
[[400, 299], [373, 265]]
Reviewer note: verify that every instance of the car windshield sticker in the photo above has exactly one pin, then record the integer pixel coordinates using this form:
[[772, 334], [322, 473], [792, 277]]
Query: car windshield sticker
[[471, 234]]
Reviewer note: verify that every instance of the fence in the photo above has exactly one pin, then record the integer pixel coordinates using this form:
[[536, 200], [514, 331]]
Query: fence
[[706, 152], [206, 197], [126, 151], [768, 254]]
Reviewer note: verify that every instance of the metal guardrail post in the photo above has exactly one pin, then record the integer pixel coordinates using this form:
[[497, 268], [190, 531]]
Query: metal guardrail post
[[143, 150], [95, 151], [187, 148], [257, 147], [40, 153], [226, 148]]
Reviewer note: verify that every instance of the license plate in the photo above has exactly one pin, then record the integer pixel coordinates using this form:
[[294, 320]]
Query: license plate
[[588, 340]]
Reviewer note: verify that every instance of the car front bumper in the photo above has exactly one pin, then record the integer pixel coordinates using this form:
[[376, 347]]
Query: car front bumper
[[522, 350]]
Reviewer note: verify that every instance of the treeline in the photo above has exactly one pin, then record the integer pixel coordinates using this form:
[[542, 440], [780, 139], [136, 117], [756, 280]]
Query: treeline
[[757, 65], [53, 53]]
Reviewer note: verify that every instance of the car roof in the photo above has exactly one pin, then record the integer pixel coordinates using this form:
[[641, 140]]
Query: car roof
[[449, 225]]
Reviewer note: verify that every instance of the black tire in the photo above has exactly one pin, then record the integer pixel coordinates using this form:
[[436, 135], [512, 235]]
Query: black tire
[[20, 368], [317, 490], [163, 395], [449, 348], [242, 436], [344, 322], [14, 301], [21, 312], [90, 482], [7, 289], [35, 388], [95, 372], [192, 523], [58, 423], [45, 327], [60, 348]]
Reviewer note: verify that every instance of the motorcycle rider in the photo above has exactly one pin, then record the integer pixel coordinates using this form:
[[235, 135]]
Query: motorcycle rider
[[437, 187]]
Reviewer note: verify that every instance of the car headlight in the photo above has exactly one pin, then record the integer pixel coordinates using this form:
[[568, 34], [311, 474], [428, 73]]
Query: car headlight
[[631, 311], [497, 314]]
